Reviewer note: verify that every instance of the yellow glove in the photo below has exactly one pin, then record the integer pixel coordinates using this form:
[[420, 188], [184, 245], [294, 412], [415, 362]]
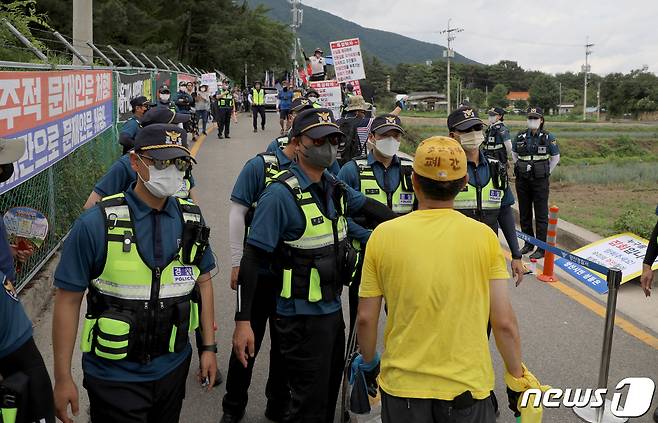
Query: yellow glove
[[515, 388], [525, 382]]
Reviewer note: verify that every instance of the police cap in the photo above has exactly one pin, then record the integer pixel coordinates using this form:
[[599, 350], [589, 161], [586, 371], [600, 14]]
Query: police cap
[[139, 101], [164, 89], [300, 104], [536, 112], [496, 111], [162, 114], [384, 123], [163, 141], [315, 123], [463, 118]]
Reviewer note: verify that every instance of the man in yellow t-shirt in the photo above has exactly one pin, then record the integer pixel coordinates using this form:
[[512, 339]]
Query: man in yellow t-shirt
[[443, 277]]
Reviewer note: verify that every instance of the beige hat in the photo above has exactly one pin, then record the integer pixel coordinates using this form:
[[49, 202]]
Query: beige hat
[[11, 150], [356, 103]]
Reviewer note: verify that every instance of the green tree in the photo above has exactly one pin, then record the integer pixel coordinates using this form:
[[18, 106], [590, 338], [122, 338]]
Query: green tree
[[497, 96], [25, 18], [544, 92], [476, 97]]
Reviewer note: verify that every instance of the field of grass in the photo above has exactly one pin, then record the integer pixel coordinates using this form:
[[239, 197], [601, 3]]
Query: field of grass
[[607, 180]]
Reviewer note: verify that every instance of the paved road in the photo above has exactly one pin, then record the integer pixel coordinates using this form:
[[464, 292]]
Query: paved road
[[561, 338]]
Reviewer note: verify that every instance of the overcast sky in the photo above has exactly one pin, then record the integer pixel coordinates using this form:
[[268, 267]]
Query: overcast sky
[[540, 35]]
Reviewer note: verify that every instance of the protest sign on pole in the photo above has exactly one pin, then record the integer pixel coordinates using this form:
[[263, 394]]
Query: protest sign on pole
[[624, 252], [210, 79], [55, 112], [348, 61], [129, 87], [330, 95], [356, 87]]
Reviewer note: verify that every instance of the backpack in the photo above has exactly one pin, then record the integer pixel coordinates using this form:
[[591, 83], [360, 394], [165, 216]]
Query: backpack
[[350, 147]]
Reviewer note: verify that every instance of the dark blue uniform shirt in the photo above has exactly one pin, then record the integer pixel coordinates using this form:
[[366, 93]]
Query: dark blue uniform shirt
[[15, 327], [130, 127], [83, 259], [251, 180], [387, 178], [278, 218], [532, 142], [119, 178]]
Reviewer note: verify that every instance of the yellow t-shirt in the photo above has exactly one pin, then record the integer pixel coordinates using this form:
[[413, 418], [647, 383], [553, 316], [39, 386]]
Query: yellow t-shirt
[[433, 268]]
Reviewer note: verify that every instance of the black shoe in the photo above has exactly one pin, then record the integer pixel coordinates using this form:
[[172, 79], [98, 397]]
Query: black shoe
[[255, 130], [220, 137], [226, 136], [275, 412], [527, 248], [262, 128], [655, 415], [204, 133], [231, 418], [539, 254]]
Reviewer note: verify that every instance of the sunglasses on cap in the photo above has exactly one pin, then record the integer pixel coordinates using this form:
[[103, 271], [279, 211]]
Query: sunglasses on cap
[[318, 142], [477, 127], [180, 163]]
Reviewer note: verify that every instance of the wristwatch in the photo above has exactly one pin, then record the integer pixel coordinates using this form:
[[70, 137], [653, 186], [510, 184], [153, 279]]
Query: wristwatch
[[211, 348]]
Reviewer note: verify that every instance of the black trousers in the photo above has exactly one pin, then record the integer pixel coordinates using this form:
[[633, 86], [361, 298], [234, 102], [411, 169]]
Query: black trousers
[[415, 410], [39, 403], [255, 111], [533, 193], [158, 401], [313, 348], [224, 121], [239, 378]]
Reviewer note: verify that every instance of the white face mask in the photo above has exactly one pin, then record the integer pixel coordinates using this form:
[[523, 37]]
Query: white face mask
[[471, 140], [534, 123], [492, 120], [163, 183], [165, 97], [387, 147], [313, 99]]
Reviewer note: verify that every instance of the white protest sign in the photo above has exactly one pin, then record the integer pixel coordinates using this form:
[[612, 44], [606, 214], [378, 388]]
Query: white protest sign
[[624, 252], [348, 61], [330, 95], [209, 79]]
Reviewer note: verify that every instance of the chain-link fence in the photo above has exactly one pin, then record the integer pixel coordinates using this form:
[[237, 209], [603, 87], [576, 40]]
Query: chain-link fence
[[60, 191]]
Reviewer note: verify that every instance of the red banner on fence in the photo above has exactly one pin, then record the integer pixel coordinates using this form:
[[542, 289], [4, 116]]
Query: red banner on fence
[[30, 99]]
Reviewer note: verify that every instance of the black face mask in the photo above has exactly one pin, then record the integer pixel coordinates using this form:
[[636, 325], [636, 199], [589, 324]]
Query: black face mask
[[7, 171], [285, 89]]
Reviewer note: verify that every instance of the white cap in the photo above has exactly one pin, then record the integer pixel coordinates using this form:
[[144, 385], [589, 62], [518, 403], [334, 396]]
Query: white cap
[[11, 150]]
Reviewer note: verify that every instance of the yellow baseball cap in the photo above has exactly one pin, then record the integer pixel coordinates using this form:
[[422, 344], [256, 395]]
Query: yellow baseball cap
[[441, 159]]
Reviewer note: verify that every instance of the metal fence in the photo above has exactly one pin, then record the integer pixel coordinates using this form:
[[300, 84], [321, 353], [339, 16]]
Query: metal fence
[[60, 191]]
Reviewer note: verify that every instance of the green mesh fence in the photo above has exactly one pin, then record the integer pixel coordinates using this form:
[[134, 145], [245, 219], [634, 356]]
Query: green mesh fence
[[60, 191]]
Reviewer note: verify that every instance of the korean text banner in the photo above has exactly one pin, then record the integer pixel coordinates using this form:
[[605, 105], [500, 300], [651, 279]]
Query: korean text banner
[[348, 61], [330, 95], [131, 86], [55, 112]]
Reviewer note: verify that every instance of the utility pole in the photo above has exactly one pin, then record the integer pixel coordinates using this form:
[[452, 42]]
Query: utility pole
[[598, 102], [83, 29], [486, 95], [586, 69], [448, 54], [559, 108], [297, 17]]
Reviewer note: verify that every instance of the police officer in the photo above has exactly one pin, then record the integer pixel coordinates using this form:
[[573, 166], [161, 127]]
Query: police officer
[[279, 143], [121, 175], [20, 358], [497, 139], [487, 195], [383, 176], [144, 253], [140, 105], [256, 174], [164, 98], [536, 154], [300, 229], [257, 100], [224, 110]]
